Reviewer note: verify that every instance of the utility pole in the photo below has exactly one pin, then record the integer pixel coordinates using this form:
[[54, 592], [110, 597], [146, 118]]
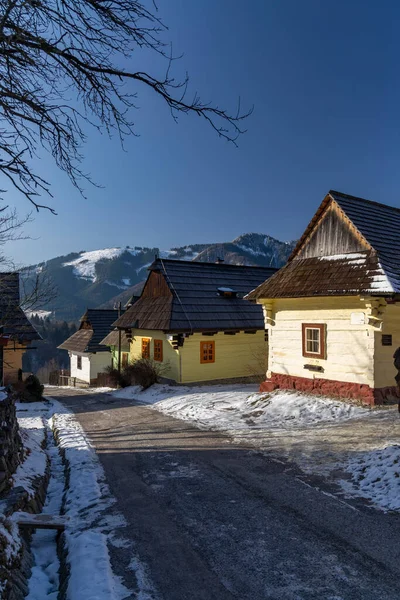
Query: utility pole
[[119, 340]]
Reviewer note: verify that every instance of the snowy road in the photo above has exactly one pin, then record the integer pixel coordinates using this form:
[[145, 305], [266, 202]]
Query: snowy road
[[212, 519]]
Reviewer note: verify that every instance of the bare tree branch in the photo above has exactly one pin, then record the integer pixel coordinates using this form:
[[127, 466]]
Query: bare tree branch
[[64, 63]]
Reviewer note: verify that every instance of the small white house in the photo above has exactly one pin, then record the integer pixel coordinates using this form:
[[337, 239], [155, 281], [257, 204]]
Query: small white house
[[88, 357]]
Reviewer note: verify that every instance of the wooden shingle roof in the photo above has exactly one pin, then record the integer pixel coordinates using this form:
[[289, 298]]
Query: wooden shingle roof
[[13, 321], [95, 325], [112, 339], [193, 302], [373, 268]]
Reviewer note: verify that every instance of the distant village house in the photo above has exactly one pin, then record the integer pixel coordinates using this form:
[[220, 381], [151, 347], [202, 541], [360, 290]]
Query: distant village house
[[333, 312], [16, 331], [192, 318], [88, 357]]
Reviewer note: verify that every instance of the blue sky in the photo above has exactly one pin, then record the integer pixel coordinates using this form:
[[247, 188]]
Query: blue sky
[[324, 81]]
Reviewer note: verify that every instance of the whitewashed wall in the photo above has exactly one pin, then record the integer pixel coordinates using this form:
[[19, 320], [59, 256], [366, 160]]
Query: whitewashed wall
[[92, 364], [98, 363], [385, 370], [349, 346], [84, 373]]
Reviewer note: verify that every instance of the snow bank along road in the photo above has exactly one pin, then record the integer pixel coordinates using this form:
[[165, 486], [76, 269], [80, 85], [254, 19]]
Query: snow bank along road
[[213, 519]]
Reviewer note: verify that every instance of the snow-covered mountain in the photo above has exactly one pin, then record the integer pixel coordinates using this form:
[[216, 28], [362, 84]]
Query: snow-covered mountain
[[102, 277]]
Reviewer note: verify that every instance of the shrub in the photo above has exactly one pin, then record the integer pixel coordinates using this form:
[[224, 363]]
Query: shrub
[[31, 390], [117, 379], [144, 372]]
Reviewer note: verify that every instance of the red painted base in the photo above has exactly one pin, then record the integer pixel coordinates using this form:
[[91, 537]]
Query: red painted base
[[328, 387]]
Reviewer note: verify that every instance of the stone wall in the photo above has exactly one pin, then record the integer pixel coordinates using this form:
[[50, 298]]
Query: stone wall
[[10, 441], [323, 387]]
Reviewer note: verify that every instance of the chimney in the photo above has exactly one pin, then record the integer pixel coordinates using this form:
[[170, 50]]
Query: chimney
[[219, 260]]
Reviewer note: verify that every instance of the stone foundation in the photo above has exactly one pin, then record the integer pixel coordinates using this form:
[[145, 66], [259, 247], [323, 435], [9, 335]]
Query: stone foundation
[[15, 567], [328, 387], [10, 442]]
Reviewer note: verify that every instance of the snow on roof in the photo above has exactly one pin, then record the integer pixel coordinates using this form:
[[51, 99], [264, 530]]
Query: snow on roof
[[356, 258]]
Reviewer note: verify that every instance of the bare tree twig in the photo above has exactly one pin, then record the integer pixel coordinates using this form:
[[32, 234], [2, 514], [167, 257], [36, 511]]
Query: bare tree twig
[[64, 63]]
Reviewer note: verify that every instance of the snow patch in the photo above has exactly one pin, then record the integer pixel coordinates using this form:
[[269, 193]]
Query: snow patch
[[188, 255], [354, 258], [376, 476], [146, 590], [234, 408], [142, 268], [250, 250], [9, 531], [42, 314], [85, 265], [380, 282], [33, 432], [117, 285], [44, 580]]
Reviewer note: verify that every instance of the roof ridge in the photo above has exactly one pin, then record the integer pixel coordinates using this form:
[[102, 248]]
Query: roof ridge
[[214, 264], [102, 309], [364, 200]]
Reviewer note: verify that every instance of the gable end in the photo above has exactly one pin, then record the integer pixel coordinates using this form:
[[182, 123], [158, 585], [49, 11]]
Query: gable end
[[330, 233], [156, 286]]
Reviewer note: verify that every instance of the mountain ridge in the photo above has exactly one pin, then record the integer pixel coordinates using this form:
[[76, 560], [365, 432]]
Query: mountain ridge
[[104, 277]]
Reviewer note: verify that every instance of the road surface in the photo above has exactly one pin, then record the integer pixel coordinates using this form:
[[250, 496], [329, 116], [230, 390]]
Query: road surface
[[214, 520]]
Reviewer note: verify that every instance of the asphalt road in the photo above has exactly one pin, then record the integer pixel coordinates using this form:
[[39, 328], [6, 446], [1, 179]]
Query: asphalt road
[[213, 520]]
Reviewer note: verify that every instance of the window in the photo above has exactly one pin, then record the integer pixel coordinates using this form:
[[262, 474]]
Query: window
[[387, 339], [207, 352], [145, 348], [79, 363], [124, 360], [158, 350], [314, 340]]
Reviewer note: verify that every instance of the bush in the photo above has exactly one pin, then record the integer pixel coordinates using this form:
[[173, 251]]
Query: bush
[[30, 390], [117, 379], [141, 372], [144, 372]]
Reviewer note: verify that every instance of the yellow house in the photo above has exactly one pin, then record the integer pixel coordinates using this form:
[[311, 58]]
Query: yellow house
[[16, 332], [333, 312], [192, 318]]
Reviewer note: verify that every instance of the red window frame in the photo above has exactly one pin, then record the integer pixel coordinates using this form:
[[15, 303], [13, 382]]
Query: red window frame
[[321, 327]]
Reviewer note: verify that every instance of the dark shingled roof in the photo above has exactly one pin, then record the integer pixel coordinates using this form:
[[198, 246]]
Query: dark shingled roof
[[13, 321], [95, 325], [194, 303], [380, 225], [374, 271]]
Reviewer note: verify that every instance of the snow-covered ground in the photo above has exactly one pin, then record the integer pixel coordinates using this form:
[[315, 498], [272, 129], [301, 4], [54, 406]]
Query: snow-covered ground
[[239, 407], [352, 444], [376, 474], [32, 421], [84, 498], [44, 580], [87, 503]]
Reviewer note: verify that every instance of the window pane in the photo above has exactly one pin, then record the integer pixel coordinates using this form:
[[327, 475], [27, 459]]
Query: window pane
[[312, 340], [207, 352]]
